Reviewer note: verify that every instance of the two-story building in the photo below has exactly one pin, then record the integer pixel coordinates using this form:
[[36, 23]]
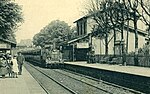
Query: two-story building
[[86, 42]]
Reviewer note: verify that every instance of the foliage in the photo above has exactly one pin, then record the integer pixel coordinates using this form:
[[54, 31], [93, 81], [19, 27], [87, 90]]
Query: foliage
[[100, 11], [115, 13], [55, 32], [73, 33], [10, 18]]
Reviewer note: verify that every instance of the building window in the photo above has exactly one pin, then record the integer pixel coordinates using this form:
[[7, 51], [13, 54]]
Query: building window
[[85, 27], [82, 27], [78, 28]]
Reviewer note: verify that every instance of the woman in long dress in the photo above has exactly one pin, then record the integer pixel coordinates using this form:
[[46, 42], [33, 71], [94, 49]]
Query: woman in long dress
[[15, 65], [3, 66]]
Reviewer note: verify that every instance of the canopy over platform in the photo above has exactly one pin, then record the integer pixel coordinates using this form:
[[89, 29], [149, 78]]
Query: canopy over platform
[[6, 44]]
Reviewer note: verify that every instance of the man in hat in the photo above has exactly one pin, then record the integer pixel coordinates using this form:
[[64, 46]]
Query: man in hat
[[20, 60]]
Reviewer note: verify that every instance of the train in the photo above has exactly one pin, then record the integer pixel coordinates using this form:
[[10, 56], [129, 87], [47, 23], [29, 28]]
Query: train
[[44, 57]]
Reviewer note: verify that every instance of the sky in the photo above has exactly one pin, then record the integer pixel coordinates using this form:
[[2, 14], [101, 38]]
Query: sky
[[38, 13]]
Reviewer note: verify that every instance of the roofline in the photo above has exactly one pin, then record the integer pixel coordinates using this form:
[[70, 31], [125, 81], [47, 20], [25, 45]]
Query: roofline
[[13, 44], [86, 16], [79, 38], [140, 32], [8, 41]]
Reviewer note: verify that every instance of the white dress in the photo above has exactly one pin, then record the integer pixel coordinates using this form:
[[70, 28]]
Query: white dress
[[15, 65]]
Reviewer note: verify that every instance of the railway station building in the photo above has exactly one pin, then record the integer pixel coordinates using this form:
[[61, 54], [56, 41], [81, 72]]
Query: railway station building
[[86, 43]]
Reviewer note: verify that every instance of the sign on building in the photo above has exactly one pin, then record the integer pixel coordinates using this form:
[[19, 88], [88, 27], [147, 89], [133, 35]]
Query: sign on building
[[5, 46], [82, 45]]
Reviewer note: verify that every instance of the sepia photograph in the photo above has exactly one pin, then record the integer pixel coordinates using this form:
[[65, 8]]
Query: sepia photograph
[[74, 47]]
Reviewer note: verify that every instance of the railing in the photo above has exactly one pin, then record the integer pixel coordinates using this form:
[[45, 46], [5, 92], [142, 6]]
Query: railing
[[144, 60]]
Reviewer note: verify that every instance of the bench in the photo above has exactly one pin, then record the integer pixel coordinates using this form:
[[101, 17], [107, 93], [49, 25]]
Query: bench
[[113, 61], [104, 60]]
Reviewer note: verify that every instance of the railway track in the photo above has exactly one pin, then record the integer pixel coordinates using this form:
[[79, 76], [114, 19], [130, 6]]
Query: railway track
[[95, 82], [47, 82], [67, 80], [74, 86], [99, 84], [87, 87]]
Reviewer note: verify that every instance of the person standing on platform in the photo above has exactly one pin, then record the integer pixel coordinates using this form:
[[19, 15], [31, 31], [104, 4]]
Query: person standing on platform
[[20, 60], [3, 66], [15, 66]]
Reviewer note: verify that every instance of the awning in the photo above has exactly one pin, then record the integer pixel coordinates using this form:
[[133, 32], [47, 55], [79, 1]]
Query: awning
[[12, 43], [77, 39]]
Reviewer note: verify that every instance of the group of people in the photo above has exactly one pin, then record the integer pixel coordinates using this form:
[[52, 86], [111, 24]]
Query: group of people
[[11, 65]]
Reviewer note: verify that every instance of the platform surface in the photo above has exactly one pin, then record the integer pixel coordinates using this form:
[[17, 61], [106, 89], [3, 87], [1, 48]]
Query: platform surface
[[142, 71], [24, 84]]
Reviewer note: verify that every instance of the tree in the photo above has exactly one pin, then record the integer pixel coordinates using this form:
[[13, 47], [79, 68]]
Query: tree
[[102, 28], [10, 18], [38, 39], [146, 13], [137, 9], [73, 33], [109, 15], [113, 15], [55, 32]]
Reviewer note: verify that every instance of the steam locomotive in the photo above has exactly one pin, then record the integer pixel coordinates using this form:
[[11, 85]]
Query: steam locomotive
[[44, 57]]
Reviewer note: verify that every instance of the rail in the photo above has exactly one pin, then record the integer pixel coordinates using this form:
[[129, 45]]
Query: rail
[[67, 88]]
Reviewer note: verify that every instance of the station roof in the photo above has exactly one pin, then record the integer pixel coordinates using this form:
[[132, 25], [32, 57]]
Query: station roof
[[87, 16], [12, 43], [6, 40]]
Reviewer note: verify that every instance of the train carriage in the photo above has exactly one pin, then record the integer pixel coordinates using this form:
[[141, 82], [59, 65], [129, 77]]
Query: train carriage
[[34, 56]]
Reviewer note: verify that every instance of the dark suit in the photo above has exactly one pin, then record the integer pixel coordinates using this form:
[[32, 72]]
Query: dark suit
[[20, 60]]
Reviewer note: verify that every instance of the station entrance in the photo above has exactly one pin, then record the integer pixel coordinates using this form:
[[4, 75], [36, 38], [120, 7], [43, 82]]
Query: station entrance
[[81, 54]]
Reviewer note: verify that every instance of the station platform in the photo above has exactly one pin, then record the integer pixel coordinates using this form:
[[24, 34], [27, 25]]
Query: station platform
[[133, 77], [142, 71], [24, 84]]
